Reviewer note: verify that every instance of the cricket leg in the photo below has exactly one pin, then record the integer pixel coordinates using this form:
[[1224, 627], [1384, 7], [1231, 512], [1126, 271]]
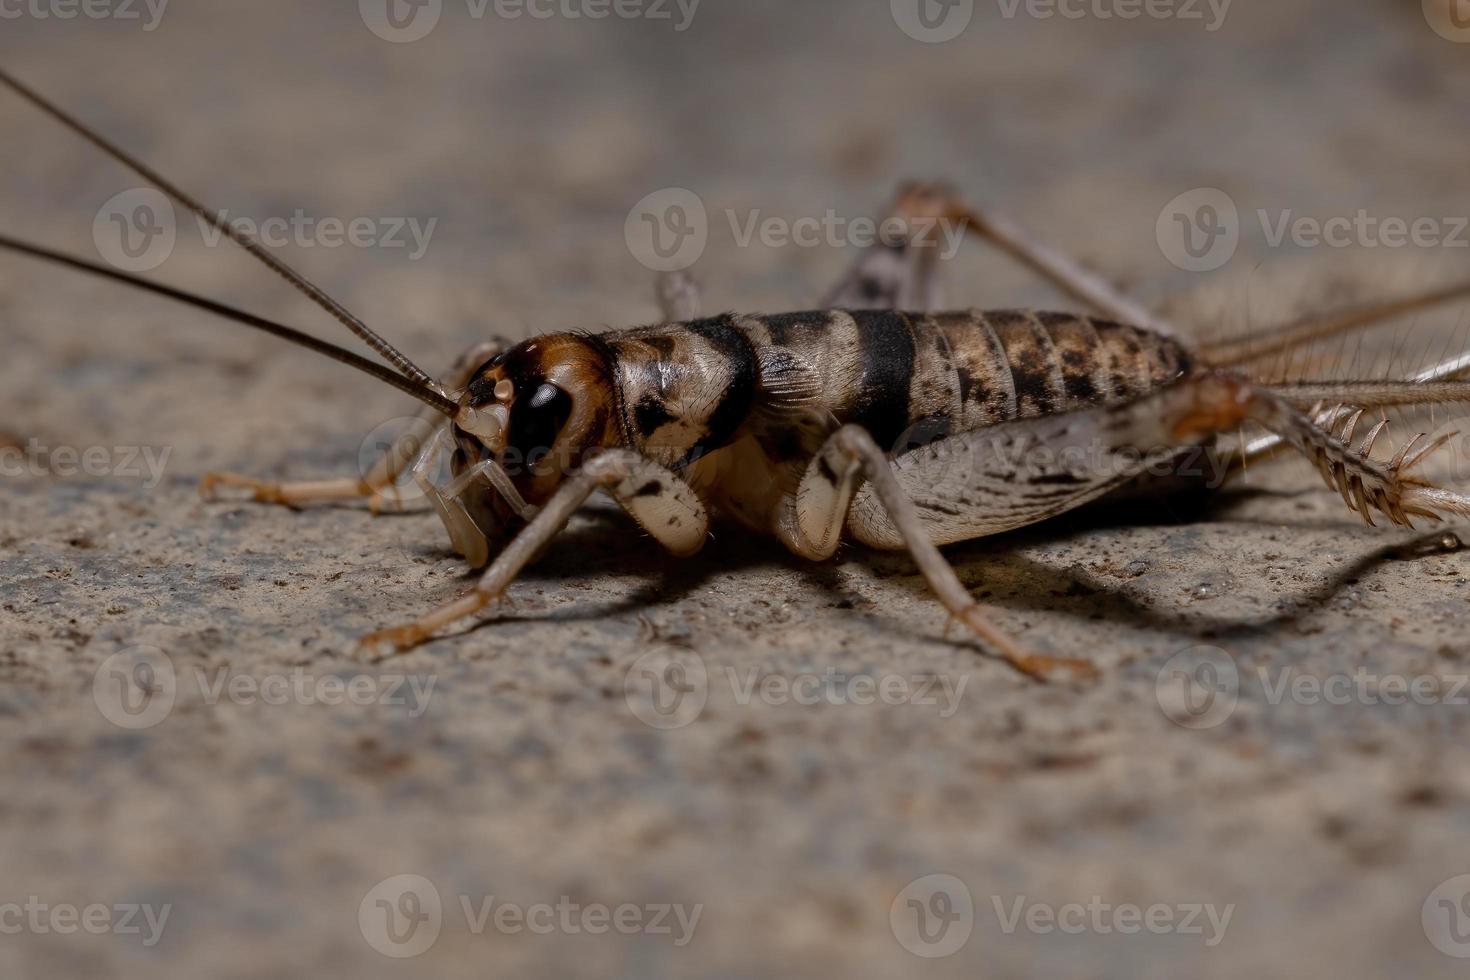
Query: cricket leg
[[901, 275], [379, 483], [678, 297], [1436, 384], [898, 273], [1216, 403], [811, 524], [653, 495]]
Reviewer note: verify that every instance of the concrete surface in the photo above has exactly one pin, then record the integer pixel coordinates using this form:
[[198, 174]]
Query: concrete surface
[[264, 820]]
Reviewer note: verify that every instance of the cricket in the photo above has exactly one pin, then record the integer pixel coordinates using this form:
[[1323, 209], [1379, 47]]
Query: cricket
[[878, 418]]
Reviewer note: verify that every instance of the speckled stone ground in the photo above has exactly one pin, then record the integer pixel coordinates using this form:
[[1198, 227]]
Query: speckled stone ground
[[270, 785]]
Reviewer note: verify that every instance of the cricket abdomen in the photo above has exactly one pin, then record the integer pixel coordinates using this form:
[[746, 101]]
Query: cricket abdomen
[[910, 378], [685, 390]]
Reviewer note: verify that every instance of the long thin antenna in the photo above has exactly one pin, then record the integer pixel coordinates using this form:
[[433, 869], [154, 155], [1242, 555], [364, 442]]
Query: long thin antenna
[[1249, 349], [389, 353], [425, 394]]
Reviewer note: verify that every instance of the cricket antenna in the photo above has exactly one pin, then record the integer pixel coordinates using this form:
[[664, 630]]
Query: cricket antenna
[[388, 352], [431, 396]]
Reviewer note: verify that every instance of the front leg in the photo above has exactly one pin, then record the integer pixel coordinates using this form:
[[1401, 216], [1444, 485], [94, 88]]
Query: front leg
[[810, 523], [654, 496], [380, 481]]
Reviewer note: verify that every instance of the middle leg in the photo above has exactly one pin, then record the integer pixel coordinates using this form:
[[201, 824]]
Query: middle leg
[[811, 524]]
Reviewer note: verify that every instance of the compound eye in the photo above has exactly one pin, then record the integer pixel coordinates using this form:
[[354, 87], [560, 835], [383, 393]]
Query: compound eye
[[545, 395], [535, 426]]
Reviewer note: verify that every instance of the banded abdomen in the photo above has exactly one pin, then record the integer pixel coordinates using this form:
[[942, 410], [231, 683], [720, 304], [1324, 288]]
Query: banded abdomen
[[686, 389], [910, 378]]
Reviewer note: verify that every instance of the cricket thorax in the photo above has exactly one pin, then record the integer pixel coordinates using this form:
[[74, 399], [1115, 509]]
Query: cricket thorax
[[684, 389]]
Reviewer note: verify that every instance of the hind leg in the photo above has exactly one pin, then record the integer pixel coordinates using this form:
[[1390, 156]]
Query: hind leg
[[379, 483], [902, 275], [1018, 473]]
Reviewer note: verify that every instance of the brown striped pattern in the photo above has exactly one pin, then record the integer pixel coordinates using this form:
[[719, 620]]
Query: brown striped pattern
[[909, 378], [966, 370]]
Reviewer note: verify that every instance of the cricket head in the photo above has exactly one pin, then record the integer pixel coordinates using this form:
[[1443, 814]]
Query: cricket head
[[536, 411]]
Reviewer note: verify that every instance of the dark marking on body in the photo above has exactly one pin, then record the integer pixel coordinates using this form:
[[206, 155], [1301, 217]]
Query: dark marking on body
[[735, 401], [825, 471], [886, 353], [791, 328], [926, 431], [650, 414]]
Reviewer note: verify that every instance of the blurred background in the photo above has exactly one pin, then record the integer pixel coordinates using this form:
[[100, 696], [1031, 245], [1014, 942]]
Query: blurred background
[[496, 160]]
